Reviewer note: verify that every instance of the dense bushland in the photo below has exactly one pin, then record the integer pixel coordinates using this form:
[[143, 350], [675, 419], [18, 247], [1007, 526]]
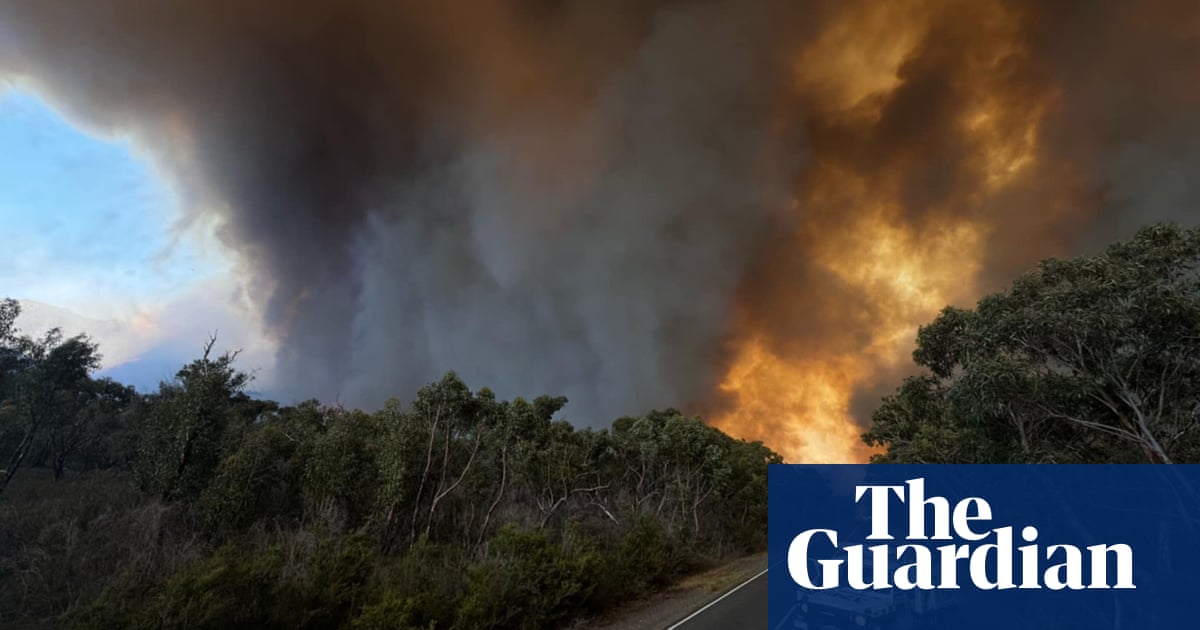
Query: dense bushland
[[199, 506]]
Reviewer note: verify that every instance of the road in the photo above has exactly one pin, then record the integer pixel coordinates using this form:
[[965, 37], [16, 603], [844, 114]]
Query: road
[[742, 607]]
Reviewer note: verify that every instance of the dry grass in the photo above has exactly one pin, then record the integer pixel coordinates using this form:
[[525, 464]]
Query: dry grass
[[726, 576]]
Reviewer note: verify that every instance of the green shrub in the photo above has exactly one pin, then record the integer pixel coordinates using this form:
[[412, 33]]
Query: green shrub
[[395, 612], [525, 583], [307, 583], [423, 586], [261, 480], [342, 472]]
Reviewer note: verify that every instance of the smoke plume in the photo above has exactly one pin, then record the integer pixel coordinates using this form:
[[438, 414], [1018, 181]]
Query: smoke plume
[[741, 208]]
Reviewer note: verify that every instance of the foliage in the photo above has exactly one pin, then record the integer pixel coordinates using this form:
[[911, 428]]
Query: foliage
[[49, 406], [263, 479], [1091, 359], [457, 510], [525, 582], [179, 439], [341, 474], [303, 582]]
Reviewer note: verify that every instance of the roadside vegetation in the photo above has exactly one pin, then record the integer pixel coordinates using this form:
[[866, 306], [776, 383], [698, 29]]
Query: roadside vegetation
[[198, 506]]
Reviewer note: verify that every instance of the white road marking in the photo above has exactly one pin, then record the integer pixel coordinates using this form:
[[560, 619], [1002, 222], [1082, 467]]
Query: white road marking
[[714, 602]]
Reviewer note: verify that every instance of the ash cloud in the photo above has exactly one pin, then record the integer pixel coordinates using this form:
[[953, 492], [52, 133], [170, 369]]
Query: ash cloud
[[586, 198], [1126, 124], [544, 196]]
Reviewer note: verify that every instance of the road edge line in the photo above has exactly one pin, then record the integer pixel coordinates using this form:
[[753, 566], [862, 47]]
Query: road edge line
[[714, 602]]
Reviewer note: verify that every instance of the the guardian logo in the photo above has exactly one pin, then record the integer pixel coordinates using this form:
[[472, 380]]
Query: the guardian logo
[[975, 553]]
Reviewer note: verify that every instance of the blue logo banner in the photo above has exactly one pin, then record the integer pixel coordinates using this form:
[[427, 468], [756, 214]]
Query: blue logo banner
[[935, 547]]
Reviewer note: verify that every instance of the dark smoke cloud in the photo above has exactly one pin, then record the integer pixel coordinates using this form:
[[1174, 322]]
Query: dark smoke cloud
[[546, 197], [1127, 117], [587, 197]]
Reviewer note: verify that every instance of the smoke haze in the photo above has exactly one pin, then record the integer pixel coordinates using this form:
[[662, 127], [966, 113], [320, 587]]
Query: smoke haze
[[740, 208]]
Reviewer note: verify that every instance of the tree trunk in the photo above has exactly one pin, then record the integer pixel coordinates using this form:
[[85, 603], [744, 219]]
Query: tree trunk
[[425, 474], [499, 495], [18, 456], [441, 494], [184, 457]]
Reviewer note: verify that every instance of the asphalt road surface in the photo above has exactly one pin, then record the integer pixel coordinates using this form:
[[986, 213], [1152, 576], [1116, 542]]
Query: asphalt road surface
[[741, 607]]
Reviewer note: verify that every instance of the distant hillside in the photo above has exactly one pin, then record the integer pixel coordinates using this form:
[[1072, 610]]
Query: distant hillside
[[129, 356], [38, 317]]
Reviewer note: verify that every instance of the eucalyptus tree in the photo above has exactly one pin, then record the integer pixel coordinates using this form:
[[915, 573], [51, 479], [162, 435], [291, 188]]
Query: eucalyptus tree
[[41, 381], [1088, 359], [180, 437]]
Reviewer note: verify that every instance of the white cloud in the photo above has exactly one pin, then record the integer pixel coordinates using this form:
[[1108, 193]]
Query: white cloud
[[150, 345]]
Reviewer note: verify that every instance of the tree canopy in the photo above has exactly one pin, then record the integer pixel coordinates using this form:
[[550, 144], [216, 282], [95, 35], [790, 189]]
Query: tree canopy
[[207, 508], [49, 405], [1090, 359]]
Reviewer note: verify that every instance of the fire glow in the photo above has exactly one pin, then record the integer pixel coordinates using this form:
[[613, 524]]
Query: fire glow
[[856, 226], [744, 209]]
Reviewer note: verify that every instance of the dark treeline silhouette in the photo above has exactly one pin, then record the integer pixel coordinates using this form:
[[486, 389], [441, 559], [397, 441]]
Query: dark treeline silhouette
[[199, 506]]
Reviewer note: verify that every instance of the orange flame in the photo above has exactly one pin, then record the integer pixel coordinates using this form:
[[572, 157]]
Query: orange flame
[[855, 229]]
